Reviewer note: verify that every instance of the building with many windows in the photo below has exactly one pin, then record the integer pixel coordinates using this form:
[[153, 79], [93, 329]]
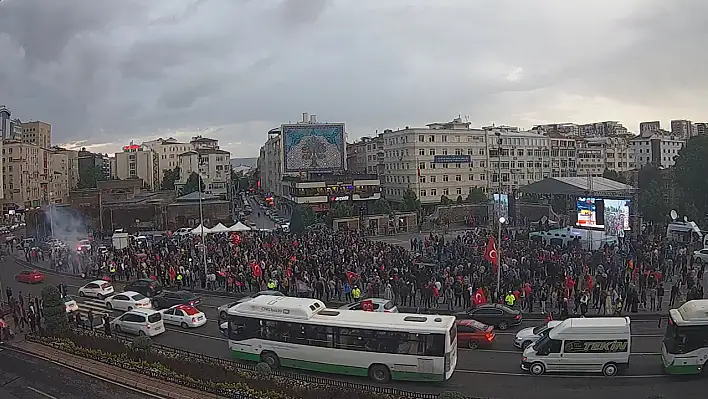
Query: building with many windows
[[658, 149], [26, 170], [366, 156], [38, 133], [136, 162], [595, 154], [167, 152], [210, 162]]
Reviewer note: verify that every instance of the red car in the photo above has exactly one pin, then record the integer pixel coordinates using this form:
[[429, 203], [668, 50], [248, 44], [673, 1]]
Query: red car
[[30, 277], [473, 334]]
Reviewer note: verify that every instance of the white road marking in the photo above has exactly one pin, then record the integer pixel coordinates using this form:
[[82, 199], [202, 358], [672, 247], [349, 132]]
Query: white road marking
[[46, 395], [557, 375]]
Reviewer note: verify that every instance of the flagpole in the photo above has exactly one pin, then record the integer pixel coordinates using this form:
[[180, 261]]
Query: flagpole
[[498, 249]]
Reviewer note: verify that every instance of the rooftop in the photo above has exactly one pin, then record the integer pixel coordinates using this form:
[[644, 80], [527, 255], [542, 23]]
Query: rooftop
[[204, 151], [578, 186]]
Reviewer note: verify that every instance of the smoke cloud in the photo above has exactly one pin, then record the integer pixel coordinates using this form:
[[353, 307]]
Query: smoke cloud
[[65, 224]]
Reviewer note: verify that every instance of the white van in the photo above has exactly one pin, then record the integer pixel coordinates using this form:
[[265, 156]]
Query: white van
[[582, 345]]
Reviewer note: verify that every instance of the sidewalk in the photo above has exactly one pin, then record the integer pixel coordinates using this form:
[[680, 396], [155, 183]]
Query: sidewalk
[[129, 378]]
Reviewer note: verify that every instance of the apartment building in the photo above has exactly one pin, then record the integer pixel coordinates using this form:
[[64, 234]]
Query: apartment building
[[700, 129], [651, 126], [167, 151], [682, 129], [136, 162], [59, 178], [562, 129], [658, 149], [366, 156], [38, 133], [595, 154], [72, 160], [210, 162], [26, 175], [271, 163]]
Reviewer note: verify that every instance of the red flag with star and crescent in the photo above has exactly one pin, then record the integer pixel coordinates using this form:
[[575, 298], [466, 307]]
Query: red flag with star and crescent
[[490, 253]]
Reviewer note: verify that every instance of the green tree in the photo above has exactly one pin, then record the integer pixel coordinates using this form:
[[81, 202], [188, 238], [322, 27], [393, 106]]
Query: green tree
[[381, 207], [476, 196], [342, 209], [89, 177], [54, 311], [309, 216], [193, 184], [297, 223], [411, 202], [690, 181], [445, 201], [652, 194], [169, 177], [613, 175]]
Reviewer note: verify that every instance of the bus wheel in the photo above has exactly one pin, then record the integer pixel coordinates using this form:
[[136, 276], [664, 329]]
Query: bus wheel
[[271, 359], [537, 368], [379, 373], [610, 370]]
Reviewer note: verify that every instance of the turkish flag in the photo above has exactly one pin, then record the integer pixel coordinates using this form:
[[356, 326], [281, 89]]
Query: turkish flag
[[351, 276], [490, 253], [479, 297], [256, 270], [236, 239], [367, 305]]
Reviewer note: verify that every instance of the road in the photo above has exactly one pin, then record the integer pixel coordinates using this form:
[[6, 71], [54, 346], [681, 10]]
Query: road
[[492, 372], [258, 215], [26, 377]]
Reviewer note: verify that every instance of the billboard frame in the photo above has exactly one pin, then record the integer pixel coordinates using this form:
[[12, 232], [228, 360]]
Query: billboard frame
[[284, 128]]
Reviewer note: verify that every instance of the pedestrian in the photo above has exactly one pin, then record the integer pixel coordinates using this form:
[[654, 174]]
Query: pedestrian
[[107, 324]]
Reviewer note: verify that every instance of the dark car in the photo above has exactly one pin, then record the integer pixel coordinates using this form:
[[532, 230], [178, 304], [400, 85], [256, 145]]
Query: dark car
[[145, 286], [171, 298], [499, 316]]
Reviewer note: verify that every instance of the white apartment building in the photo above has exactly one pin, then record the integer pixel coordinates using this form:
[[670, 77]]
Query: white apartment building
[[658, 149], [59, 183], [167, 151], [211, 163], [271, 164], [136, 162], [26, 169], [72, 159], [595, 154]]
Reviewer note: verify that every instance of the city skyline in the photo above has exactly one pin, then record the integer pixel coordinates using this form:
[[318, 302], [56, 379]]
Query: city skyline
[[105, 73]]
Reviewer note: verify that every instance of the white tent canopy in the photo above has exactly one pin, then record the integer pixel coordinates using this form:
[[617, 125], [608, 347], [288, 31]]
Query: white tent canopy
[[219, 228], [239, 227], [198, 230]]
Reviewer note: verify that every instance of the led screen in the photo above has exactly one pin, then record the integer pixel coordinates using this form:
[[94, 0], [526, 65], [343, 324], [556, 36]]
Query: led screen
[[611, 215]]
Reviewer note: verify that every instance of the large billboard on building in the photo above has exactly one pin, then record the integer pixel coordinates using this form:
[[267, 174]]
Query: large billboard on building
[[313, 147]]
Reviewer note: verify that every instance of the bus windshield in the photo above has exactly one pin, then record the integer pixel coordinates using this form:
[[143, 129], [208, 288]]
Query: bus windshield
[[679, 340]]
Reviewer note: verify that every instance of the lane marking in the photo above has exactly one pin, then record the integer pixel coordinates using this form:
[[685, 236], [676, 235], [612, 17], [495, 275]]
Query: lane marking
[[46, 395], [599, 376]]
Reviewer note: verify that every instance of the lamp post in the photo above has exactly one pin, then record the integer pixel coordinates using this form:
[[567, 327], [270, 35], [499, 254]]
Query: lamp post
[[502, 220], [201, 223]]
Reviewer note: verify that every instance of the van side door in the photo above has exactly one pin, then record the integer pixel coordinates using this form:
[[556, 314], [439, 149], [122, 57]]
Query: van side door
[[553, 356]]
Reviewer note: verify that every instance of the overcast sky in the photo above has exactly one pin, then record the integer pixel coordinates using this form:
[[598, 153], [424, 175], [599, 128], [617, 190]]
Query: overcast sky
[[103, 72]]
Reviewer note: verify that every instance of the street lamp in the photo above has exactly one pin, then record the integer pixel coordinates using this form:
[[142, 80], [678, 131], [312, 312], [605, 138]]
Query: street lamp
[[201, 223], [502, 220]]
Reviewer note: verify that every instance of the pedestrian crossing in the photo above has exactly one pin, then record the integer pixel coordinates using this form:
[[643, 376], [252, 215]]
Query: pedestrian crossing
[[97, 307]]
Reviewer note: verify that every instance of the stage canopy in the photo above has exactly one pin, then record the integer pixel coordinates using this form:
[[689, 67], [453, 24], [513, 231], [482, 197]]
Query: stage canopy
[[579, 187]]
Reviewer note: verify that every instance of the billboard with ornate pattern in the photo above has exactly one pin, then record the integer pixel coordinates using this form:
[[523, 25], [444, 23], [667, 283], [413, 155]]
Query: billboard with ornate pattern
[[313, 147]]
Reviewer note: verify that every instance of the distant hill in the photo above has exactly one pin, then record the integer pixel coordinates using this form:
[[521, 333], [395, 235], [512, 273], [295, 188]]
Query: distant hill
[[252, 162]]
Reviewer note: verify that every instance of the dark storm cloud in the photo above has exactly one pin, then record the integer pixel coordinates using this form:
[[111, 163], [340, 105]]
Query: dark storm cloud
[[109, 71]]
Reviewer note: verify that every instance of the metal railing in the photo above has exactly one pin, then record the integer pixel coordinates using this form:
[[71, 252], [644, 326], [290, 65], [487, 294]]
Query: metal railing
[[182, 354]]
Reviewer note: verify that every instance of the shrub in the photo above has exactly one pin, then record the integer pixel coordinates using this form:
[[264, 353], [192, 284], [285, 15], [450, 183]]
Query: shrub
[[142, 344], [263, 369], [54, 311], [452, 395]]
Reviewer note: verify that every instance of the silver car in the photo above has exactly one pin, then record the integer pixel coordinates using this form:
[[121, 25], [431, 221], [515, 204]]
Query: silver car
[[529, 335], [223, 309], [380, 305]]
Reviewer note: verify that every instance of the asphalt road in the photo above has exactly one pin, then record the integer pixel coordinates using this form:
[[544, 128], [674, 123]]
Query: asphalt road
[[27, 377], [492, 372]]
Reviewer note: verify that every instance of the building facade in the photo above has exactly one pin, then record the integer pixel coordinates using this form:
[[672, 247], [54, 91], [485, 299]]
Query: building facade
[[271, 162], [595, 154], [72, 159], [38, 133], [210, 162], [136, 162], [658, 149], [167, 152], [26, 175], [59, 182]]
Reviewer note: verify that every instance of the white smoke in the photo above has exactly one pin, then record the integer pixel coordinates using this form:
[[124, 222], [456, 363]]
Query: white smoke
[[66, 224]]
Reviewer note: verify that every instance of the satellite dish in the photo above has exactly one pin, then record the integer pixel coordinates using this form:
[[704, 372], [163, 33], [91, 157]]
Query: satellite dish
[[685, 219], [674, 215]]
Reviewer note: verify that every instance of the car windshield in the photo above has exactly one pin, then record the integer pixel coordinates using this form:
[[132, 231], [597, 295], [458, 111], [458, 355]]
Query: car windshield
[[137, 297], [539, 329], [155, 317]]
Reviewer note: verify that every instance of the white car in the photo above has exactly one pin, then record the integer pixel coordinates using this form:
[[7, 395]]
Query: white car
[[139, 321], [128, 301], [97, 289], [529, 335], [184, 316], [71, 305], [700, 256]]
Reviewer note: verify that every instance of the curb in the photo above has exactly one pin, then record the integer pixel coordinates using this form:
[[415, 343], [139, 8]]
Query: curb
[[222, 294]]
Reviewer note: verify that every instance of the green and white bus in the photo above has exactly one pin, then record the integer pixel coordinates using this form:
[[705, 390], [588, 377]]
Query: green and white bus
[[685, 347], [301, 333]]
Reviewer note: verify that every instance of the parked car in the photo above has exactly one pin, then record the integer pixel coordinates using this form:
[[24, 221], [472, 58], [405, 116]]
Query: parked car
[[499, 316], [529, 335], [97, 289], [380, 305], [225, 307], [473, 334], [128, 301], [145, 286], [171, 298], [139, 321], [184, 316], [29, 277]]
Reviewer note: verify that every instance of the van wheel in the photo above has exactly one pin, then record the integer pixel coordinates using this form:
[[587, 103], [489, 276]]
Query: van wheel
[[379, 373], [525, 344], [503, 325], [473, 344], [271, 359], [537, 368], [610, 370]]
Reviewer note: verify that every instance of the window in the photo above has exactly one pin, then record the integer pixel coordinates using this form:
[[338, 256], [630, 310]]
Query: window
[[433, 179], [433, 192], [458, 177], [421, 138], [432, 151], [445, 178], [421, 151], [423, 193]]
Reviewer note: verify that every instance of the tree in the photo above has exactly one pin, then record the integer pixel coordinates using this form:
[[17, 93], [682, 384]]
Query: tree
[[476, 196], [652, 195], [54, 311], [193, 184], [342, 209], [297, 224], [169, 177], [381, 207], [89, 177], [410, 201], [445, 201], [690, 181], [613, 175]]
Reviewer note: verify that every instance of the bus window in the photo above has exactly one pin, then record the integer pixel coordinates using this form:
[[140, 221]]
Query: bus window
[[241, 328], [435, 345], [680, 340]]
